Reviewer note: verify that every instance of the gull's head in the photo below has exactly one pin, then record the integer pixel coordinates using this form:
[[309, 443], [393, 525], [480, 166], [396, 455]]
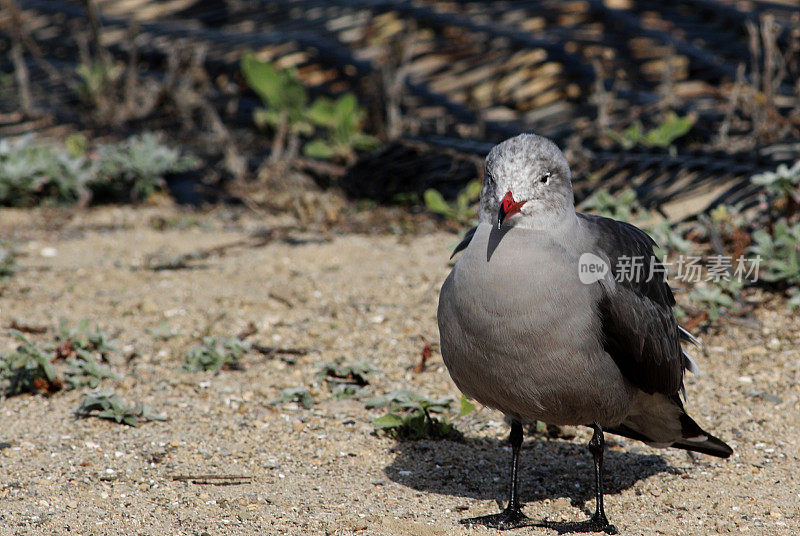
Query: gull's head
[[527, 178]]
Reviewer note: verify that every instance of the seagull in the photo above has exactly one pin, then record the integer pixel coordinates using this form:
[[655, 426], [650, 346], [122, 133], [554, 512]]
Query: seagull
[[539, 320]]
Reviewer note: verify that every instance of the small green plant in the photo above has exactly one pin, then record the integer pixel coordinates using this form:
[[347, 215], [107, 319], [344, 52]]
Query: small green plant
[[83, 338], [357, 372], [163, 332], [667, 238], [84, 370], [28, 369], [716, 299], [109, 405], [30, 174], [284, 97], [794, 298], [783, 182], [349, 390], [779, 252], [8, 262], [133, 169], [405, 399], [342, 121], [130, 170], [466, 406], [287, 114], [618, 207], [216, 353], [671, 129], [462, 210], [294, 394], [94, 78], [410, 416]]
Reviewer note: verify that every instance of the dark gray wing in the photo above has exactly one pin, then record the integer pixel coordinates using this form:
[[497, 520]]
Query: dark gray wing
[[639, 330], [464, 241]]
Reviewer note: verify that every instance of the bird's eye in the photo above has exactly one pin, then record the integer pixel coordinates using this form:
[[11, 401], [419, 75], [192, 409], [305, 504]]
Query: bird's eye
[[544, 178]]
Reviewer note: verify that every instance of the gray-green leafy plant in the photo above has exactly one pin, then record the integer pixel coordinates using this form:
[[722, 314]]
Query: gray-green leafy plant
[[779, 252], [294, 394], [27, 369], [618, 207], [672, 128], [462, 210], [136, 167], [466, 406], [8, 262], [94, 77], [341, 119], [108, 405], [83, 370], [405, 399], [285, 99], [667, 237], [357, 372], [794, 298], [216, 353], [783, 182], [287, 113], [83, 337], [410, 416], [163, 332], [349, 390], [31, 173], [716, 299]]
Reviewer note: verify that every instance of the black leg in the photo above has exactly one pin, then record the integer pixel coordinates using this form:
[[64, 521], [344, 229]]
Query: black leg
[[598, 522], [512, 517]]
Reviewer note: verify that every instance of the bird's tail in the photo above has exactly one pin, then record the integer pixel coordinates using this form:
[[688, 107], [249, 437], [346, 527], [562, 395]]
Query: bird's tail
[[661, 421]]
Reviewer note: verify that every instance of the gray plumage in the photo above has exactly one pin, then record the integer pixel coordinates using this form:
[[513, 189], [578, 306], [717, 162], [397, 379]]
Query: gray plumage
[[522, 334]]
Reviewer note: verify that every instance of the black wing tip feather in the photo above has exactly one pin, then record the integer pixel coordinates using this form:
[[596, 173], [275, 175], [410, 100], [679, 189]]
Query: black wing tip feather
[[711, 445], [464, 241]]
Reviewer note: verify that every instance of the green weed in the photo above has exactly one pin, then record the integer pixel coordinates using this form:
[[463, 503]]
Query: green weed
[[287, 113], [618, 207], [130, 170], [27, 369], [94, 78], [216, 353], [294, 394], [784, 182], [83, 338], [357, 372], [410, 416], [462, 210], [163, 332], [30, 174], [133, 169], [717, 298], [667, 238], [341, 120], [109, 405], [83, 370], [285, 99], [8, 262], [780, 253], [672, 128]]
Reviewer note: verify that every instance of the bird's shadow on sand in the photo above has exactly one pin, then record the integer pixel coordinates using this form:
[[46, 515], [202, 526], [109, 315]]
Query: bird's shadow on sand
[[479, 468]]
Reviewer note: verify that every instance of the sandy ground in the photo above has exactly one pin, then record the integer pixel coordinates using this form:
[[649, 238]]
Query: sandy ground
[[323, 470]]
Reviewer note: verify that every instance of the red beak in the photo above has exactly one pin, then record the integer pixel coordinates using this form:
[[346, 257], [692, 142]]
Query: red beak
[[508, 207]]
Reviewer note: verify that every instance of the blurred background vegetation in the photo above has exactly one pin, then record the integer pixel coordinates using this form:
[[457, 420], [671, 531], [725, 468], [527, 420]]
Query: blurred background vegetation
[[682, 117]]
